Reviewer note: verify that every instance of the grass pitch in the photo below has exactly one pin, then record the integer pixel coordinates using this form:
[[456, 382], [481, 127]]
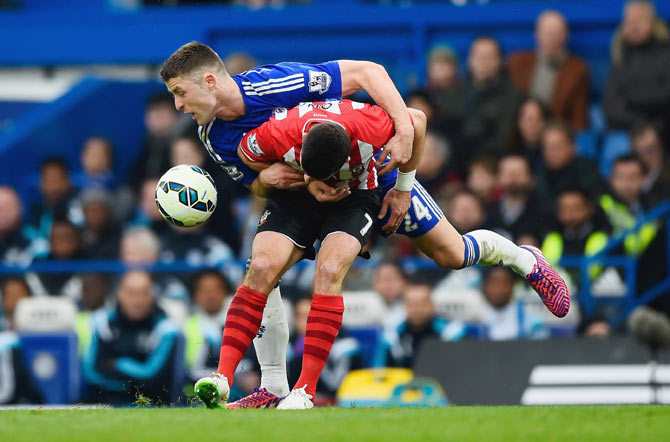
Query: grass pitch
[[603, 423]]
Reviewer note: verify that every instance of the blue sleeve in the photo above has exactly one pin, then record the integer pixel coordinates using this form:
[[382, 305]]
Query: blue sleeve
[[91, 371], [288, 84], [154, 363]]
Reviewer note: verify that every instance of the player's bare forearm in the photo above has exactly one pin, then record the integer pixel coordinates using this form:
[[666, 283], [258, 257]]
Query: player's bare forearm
[[419, 122], [374, 79], [258, 188]]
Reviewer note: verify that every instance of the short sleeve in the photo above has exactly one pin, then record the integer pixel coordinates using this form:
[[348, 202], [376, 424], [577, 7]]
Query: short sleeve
[[289, 84], [258, 146]]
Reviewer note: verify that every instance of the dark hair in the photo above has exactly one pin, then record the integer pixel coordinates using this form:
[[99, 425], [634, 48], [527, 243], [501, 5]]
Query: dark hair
[[54, 161], [397, 265], [562, 126], [488, 272], [189, 58], [629, 158], [491, 39], [160, 99], [640, 128], [578, 190], [15, 278], [325, 148], [213, 273]]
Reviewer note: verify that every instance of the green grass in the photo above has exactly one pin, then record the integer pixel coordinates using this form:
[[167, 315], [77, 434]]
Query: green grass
[[606, 423]]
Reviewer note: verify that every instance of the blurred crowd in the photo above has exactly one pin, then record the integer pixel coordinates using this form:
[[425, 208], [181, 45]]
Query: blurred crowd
[[514, 145]]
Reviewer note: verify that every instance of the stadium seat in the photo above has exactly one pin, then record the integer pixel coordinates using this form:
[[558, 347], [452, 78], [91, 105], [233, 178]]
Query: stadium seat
[[368, 338], [45, 315], [463, 305], [615, 145], [363, 309], [587, 144], [371, 387], [52, 360]]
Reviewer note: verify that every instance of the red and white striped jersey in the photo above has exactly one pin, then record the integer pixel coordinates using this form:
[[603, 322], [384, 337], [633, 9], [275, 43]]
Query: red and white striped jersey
[[280, 138]]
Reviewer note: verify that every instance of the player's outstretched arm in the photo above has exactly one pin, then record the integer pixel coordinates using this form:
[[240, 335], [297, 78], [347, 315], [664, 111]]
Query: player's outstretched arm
[[374, 79], [398, 199]]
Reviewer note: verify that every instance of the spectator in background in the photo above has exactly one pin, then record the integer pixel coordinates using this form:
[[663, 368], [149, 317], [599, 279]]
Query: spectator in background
[[222, 223], [14, 244], [65, 245], [552, 75], [638, 87], [400, 346], [490, 103], [530, 122], [97, 161], [434, 167], [133, 347], [504, 318], [238, 62], [562, 167], [482, 174], [520, 211], [13, 289], [95, 289], [194, 246], [16, 382], [146, 213], [581, 228], [58, 200], [139, 246], [389, 281], [204, 329], [421, 100], [100, 234], [345, 356], [445, 91], [466, 211], [647, 145], [163, 124]]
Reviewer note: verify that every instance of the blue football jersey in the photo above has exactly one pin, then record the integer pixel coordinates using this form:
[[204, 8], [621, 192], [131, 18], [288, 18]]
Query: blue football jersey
[[267, 89]]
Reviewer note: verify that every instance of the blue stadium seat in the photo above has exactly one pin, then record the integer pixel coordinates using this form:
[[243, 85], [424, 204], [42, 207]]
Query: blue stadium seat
[[615, 145], [587, 144], [52, 360], [368, 338]]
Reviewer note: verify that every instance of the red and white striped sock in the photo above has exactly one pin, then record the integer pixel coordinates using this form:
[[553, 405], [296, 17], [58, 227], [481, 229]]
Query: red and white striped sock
[[323, 324], [242, 324]]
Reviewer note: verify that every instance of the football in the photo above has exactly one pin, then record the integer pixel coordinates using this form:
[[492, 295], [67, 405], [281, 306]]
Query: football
[[186, 195]]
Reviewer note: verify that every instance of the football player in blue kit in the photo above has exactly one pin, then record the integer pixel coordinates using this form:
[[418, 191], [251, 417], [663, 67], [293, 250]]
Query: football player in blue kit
[[227, 107]]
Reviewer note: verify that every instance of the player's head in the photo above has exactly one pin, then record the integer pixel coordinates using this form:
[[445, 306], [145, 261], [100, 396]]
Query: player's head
[[191, 74], [325, 149]]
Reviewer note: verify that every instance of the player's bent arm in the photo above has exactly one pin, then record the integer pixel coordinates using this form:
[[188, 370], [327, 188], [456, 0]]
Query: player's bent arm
[[374, 79], [419, 122]]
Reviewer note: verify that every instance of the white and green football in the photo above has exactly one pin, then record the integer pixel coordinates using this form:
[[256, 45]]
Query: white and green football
[[186, 195]]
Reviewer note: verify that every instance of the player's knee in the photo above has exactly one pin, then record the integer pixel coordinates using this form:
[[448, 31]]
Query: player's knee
[[448, 257], [329, 272], [263, 270]]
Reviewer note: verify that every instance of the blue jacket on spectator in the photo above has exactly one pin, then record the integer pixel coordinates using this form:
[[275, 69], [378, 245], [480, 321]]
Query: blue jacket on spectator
[[400, 346], [129, 358]]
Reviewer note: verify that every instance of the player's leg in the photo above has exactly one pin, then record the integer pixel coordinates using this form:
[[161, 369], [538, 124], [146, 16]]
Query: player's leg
[[345, 231], [436, 237], [272, 254]]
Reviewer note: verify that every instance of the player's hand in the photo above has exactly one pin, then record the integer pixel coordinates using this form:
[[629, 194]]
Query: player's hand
[[324, 193], [397, 202], [399, 147], [281, 176]]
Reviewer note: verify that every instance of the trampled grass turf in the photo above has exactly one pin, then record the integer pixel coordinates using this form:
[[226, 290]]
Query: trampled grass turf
[[605, 423]]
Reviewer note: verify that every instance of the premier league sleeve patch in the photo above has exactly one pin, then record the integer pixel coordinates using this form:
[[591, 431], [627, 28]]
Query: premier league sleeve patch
[[319, 82], [252, 145]]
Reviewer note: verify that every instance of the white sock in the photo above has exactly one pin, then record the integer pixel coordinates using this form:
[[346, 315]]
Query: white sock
[[490, 249], [271, 346]]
